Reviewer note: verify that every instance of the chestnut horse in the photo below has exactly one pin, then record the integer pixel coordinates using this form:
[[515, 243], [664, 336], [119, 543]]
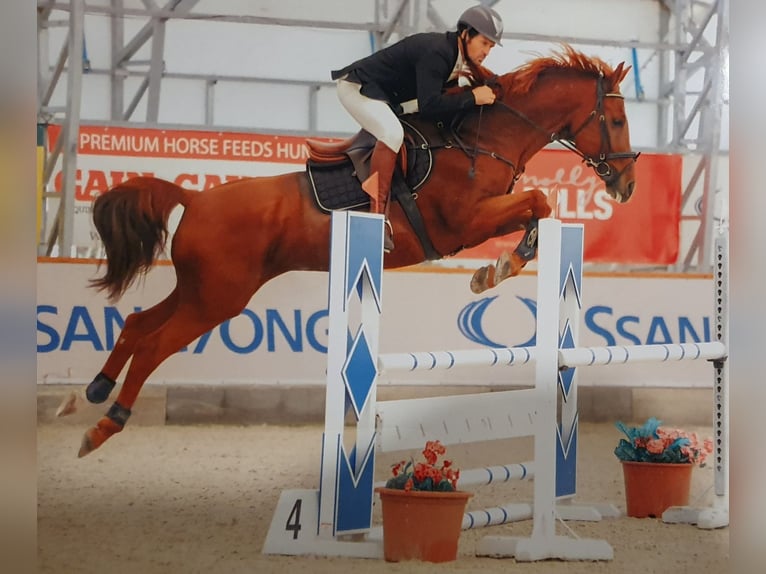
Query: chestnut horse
[[234, 238]]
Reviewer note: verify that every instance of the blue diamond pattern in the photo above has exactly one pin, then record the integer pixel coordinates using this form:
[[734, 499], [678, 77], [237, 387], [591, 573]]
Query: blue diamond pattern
[[566, 463], [365, 254], [566, 377], [571, 260], [359, 373]]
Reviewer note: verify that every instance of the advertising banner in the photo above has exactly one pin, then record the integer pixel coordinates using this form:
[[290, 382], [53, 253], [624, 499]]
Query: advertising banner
[[642, 231], [281, 336]]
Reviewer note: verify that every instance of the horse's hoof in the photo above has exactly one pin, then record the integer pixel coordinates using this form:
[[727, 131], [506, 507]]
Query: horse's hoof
[[479, 280], [503, 267], [69, 405], [95, 436], [86, 446]]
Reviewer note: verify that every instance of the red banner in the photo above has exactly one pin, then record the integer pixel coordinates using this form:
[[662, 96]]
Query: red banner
[[187, 144], [643, 231]]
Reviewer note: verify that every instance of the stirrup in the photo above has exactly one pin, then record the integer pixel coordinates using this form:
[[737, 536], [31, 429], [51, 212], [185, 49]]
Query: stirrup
[[388, 237]]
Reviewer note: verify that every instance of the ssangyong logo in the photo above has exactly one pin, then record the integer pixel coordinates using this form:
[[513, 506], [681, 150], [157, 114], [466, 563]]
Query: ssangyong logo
[[511, 322], [471, 321]]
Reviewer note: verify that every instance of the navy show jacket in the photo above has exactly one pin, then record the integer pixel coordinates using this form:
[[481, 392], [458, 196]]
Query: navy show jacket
[[417, 66]]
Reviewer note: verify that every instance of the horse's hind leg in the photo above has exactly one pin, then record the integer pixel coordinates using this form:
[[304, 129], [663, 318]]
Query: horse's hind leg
[[137, 325], [184, 326]]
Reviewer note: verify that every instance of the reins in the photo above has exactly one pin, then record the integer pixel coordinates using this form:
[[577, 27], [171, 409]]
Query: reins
[[600, 165]]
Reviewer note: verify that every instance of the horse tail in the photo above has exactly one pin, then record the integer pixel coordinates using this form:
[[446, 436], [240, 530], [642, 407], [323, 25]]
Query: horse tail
[[132, 221]]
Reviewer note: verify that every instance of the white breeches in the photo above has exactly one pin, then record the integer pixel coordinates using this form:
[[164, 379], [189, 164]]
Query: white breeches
[[375, 116]]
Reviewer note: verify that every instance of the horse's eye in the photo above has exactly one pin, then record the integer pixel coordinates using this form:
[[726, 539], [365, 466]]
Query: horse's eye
[[618, 123]]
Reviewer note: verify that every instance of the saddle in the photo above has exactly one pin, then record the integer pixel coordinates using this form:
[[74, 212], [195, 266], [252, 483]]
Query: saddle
[[336, 171]]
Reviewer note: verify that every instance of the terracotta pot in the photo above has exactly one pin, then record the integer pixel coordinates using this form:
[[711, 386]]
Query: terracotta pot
[[419, 525], [652, 487]]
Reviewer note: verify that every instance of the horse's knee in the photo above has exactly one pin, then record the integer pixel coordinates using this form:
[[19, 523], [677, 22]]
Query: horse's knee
[[542, 208]]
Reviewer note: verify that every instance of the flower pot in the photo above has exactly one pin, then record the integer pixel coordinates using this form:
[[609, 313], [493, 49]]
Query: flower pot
[[653, 487], [421, 525]]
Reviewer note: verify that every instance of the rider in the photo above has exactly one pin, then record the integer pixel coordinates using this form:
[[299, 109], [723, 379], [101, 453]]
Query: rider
[[418, 67]]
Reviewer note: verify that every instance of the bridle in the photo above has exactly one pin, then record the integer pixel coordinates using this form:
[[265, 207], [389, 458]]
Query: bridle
[[600, 164]]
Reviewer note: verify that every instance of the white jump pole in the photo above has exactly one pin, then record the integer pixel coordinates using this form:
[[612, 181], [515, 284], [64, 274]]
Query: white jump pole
[[559, 276], [588, 356], [328, 521], [445, 360], [717, 515], [346, 487]]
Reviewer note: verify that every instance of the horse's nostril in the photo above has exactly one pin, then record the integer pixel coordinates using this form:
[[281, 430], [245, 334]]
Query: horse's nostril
[[631, 187]]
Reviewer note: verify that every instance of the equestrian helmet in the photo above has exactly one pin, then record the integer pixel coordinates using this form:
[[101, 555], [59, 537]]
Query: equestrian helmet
[[485, 21]]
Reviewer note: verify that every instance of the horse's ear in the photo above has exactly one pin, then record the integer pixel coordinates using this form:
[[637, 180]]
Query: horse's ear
[[620, 72]]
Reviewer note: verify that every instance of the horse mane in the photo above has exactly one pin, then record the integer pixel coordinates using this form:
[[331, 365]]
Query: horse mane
[[523, 79], [481, 74]]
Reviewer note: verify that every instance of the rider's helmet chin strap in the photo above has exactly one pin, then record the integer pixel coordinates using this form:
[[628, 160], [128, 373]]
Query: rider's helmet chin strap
[[465, 76]]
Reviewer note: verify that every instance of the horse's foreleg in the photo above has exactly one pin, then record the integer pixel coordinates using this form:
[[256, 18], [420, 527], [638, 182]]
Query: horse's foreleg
[[491, 275], [503, 214], [508, 213], [178, 331], [483, 278], [137, 325], [511, 265]]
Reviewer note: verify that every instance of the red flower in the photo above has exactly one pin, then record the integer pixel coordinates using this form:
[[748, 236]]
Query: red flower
[[425, 475], [421, 472], [656, 445], [436, 447], [433, 450]]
